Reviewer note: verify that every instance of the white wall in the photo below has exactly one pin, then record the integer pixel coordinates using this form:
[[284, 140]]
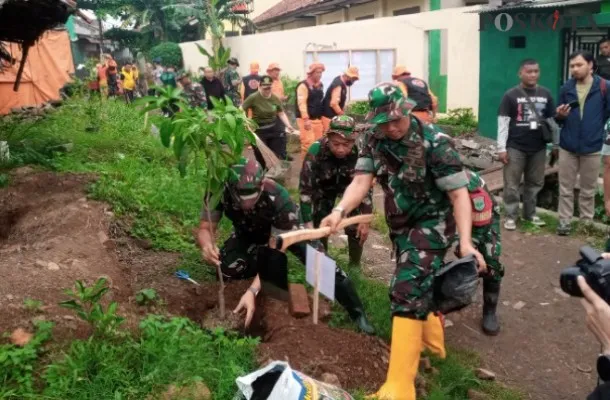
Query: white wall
[[406, 34]]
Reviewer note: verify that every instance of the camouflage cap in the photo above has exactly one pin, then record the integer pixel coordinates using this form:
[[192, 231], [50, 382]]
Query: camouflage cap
[[388, 103], [245, 182], [344, 126]]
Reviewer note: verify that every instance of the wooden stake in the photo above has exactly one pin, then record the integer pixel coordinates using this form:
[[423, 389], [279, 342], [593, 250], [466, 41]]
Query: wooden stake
[[316, 288]]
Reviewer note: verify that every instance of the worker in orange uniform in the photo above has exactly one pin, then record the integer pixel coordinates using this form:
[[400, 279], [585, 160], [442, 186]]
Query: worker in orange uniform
[[336, 95], [250, 82], [417, 90], [277, 87], [309, 107]]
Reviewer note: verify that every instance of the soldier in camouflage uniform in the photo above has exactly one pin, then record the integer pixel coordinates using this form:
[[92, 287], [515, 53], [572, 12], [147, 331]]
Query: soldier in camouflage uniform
[[232, 81], [258, 207], [328, 168], [486, 237], [422, 178], [192, 92]]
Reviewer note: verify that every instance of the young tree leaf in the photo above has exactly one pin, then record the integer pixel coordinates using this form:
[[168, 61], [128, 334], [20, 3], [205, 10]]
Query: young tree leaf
[[166, 132]]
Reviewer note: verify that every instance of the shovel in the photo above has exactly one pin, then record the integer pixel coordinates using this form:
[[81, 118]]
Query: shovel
[[272, 262]]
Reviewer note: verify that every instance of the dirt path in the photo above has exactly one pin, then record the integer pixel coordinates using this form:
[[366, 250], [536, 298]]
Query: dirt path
[[544, 347]]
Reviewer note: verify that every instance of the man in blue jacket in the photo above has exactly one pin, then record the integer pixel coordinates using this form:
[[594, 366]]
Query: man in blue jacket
[[584, 107]]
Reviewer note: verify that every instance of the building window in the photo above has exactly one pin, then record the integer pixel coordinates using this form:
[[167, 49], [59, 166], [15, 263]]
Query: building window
[[231, 33], [516, 42], [365, 17], [406, 11], [375, 67]]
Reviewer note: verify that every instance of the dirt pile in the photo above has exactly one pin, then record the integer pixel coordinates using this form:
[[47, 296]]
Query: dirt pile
[[51, 235]]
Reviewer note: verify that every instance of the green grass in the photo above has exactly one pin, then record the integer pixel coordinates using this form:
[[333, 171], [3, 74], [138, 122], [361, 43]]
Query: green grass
[[590, 235], [167, 352], [139, 179]]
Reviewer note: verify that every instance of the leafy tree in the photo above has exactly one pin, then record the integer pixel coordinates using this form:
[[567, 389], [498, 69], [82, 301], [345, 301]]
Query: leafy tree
[[169, 53], [211, 14], [148, 16], [211, 141]]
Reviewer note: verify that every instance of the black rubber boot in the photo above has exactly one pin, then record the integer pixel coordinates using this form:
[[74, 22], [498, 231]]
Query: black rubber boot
[[491, 293], [354, 251], [346, 295]]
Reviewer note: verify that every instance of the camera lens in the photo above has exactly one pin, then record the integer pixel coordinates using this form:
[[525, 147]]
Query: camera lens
[[568, 282]]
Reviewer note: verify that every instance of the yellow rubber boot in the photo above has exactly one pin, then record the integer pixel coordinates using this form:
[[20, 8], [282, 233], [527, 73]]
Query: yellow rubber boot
[[434, 335], [404, 360]]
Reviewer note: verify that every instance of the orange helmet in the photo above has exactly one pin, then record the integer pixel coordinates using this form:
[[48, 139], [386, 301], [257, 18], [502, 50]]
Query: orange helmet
[[273, 66], [315, 66], [398, 71], [352, 72]]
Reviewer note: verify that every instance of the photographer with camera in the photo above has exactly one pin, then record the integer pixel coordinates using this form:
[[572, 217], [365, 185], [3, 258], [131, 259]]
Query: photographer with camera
[[598, 322], [588, 279]]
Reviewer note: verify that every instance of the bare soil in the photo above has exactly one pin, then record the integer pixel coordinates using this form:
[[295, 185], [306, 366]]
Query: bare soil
[[52, 235]]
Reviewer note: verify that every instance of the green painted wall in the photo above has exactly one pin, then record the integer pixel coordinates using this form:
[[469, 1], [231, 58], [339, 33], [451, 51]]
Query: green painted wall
[[437, 82], [499, 66], [499, 63]]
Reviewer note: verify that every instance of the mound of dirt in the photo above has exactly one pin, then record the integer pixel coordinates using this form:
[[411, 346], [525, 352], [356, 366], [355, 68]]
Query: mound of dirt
[[51, 235]]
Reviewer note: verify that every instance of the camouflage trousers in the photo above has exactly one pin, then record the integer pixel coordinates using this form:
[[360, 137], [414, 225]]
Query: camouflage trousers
[[420, 252], [235, 97], [487, 241], [239, 255]]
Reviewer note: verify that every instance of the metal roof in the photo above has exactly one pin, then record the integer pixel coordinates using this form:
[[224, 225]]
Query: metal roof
[[534, 4]]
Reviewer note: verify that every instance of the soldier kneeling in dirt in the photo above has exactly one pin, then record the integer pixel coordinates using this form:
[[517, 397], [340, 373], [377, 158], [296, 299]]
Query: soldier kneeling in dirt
[[257, 206], [328, 169]]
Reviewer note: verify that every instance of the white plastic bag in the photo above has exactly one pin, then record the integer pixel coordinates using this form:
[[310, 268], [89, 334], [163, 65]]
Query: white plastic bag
[[291, 385]]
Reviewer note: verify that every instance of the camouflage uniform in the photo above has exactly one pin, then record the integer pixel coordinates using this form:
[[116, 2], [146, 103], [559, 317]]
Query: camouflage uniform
[[258, 208], [273, 212], [194, 95], [232, 91], [325, 177], [416, 173], [487, 238]]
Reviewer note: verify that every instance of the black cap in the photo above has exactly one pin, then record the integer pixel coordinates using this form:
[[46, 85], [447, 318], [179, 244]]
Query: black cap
[[266, 80], [233, 61]]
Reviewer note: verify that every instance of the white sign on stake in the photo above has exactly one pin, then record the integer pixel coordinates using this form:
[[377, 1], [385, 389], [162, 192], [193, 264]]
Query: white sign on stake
[[326, 272]]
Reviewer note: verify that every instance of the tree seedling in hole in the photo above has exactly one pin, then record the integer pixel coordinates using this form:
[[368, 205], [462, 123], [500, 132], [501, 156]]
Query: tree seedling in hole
[[212, 141], [147, 297]]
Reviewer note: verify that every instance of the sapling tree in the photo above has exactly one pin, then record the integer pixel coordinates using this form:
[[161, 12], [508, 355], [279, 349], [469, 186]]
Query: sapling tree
[[209, 141]]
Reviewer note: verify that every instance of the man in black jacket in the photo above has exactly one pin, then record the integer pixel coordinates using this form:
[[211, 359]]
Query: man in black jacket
[[212, 87], [603, 60]]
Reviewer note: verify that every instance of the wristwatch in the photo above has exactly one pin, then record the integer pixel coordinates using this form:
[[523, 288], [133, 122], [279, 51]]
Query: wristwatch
[[254, 291], [340, 210]]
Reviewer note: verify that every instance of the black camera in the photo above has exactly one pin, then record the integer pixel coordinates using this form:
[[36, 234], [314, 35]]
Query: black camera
[[594, 268]]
